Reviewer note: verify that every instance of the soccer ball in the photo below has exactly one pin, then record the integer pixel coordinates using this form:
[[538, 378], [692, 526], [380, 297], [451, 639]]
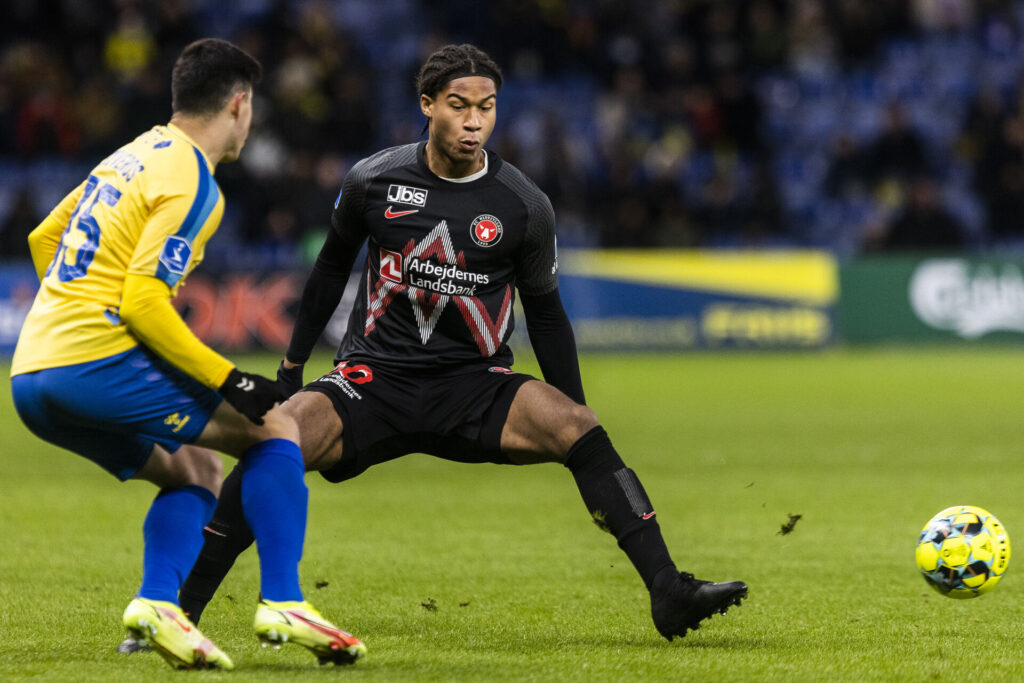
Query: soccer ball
[[963, 551]]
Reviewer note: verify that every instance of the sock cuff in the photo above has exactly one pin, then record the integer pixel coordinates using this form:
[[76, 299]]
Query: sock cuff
[[284, 448], [204, 494], [588, 450]]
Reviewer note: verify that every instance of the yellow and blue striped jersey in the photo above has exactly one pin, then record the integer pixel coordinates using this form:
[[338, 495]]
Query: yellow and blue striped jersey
[[147, 209]]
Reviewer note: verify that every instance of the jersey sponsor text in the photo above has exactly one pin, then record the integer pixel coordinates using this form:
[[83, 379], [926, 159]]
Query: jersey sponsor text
[[403, 194]]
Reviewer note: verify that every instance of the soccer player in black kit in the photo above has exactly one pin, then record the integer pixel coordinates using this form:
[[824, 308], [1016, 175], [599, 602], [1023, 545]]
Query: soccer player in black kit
[[452, 232]]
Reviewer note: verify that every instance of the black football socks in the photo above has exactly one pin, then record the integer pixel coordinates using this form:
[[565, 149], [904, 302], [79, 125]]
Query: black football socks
[[224, 539], [618, 503], [611, 491]]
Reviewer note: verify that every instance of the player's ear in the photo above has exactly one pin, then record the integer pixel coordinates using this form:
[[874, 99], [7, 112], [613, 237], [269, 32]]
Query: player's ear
[[238, 101], [426, 105]]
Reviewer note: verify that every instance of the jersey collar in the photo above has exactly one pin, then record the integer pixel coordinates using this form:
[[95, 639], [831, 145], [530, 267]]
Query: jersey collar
[[470, 178], [491, 167], [184, 136]]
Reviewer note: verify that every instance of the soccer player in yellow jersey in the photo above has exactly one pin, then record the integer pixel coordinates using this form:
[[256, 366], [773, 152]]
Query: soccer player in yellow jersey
[[106, 368]]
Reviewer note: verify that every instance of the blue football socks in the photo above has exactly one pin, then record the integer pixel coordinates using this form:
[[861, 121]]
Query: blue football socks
[[274, 499], [173, 534]]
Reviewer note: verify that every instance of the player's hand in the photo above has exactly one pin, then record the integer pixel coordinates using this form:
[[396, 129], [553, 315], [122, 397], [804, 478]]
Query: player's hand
[[289, 380], [251, 395]]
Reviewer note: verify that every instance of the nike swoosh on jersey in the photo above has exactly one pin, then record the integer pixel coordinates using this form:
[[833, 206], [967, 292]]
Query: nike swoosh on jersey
[[389, 214]]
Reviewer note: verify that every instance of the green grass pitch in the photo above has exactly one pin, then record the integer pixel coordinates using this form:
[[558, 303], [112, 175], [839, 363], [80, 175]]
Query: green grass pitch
[[485, 572]]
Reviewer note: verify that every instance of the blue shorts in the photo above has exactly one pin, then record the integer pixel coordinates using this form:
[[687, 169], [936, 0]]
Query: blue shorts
[[114, 409]]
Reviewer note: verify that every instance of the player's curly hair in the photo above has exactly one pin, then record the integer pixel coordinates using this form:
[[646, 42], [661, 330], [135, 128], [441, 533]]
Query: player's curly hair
[[207, 73], [455, 61]]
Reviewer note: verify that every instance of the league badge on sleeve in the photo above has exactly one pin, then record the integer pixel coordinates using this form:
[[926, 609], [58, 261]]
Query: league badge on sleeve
[[485, 230], [176, 254]]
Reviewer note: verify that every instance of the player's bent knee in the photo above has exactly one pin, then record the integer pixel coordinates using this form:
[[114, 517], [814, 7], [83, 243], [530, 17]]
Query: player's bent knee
[[232, 433], [207, 470], [580, 420], [278, 424], [188, 466], [195, 466], [585, 418]]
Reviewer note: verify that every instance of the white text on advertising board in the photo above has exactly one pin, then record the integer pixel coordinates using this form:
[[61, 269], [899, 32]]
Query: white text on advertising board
[[951, 294]]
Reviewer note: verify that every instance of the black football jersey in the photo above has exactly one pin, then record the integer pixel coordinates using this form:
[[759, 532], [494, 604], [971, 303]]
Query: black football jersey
[[444, 260]]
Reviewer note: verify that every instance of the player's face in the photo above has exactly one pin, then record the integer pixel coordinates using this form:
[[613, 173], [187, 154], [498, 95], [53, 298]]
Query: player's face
[[241, 108], [462, 118]]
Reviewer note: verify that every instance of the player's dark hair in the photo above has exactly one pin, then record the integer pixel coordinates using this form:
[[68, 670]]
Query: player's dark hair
[[455, 61], [207, 73]]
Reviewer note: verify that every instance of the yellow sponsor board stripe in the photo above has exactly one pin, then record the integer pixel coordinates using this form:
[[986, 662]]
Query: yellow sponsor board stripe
[[807, 276]]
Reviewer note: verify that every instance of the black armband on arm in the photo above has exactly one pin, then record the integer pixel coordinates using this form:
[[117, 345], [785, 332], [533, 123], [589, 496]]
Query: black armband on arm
[[321, 295], [553, 343]]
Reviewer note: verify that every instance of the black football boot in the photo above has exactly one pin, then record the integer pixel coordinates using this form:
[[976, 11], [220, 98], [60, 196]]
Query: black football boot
[[680, 602]]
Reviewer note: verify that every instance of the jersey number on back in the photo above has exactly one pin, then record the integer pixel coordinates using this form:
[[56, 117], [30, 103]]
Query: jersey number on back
[[83, 220]]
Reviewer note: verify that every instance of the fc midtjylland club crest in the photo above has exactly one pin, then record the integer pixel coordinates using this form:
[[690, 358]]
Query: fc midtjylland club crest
[[485, 230]]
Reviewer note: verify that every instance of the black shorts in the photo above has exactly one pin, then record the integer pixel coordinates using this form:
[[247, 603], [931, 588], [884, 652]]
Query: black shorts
[[457, 416]]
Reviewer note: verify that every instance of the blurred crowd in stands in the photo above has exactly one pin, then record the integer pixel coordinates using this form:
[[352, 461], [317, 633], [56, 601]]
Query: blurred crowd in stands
[[843, 124]]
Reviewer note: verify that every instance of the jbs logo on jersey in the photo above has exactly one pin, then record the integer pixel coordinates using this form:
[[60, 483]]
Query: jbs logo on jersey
[[485, 230], [403, 194], [391, 265]]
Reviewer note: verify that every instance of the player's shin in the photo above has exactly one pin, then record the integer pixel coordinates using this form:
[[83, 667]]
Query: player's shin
[[618, 503], [225, 538], [274, 500], [173, 537]]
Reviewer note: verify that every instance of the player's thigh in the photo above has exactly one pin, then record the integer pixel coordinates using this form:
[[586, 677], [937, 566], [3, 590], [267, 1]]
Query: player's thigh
[[355, 417], [232, 433], [462, 415], [122, 455], [543, 423], [113, 410], [320, 427]]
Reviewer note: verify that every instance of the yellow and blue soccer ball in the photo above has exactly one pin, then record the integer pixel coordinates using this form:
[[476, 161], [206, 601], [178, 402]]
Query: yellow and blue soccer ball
[[963, 551]]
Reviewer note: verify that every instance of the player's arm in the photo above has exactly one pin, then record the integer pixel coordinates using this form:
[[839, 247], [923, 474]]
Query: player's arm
[[147, 311], [44, 240], [547, 324], [326, 283], [174, 230], [321, 295], [181, 218], [553, 343]]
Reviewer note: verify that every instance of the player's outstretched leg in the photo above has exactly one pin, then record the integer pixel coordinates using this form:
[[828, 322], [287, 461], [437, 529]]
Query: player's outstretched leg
[[166, 628], [679, 602], [619, 504], [296, 622]]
